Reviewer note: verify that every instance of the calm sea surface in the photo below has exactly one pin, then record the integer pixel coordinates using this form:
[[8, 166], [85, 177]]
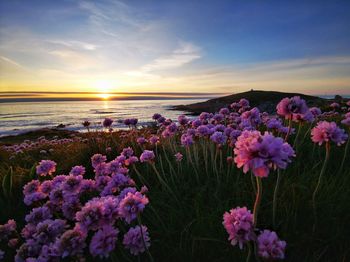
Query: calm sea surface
[[25, 116]]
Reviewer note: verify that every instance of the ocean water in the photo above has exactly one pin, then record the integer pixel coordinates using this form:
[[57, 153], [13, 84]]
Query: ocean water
[[19, 117]]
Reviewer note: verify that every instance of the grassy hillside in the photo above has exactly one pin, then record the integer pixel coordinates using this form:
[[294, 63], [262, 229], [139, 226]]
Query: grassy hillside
[[264, 100]]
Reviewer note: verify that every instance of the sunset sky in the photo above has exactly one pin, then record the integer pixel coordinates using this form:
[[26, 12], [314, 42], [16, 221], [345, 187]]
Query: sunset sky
[[175, 46]]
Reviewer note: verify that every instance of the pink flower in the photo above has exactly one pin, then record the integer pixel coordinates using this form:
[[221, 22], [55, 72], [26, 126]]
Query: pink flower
[[260, 153], [292, 108], [270, 246], [239, 225], [137, 240], [147, 156], [46, 167], [178, 157], [326, 132], [107, 122]]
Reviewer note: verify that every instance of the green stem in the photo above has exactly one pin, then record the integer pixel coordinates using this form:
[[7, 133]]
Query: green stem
[[249, 255], [143, 240], [344, 157], [253, 182], [274, 203], [289, 128], [297, 136], [319, 183], [257, 199]]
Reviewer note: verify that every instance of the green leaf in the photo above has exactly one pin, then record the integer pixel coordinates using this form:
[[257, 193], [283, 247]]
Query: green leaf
[[7, 183], [32, 172]]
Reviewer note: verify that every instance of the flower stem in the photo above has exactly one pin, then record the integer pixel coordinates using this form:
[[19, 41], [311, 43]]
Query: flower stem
[[274, 203], [344, 157], [319, 183], [257, 199], [143, 240], [289, 128], [249, 255]]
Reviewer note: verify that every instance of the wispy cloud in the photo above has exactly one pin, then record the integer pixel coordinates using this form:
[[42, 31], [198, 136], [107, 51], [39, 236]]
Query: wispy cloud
[[74, 44], [8, 60], [186, 53]]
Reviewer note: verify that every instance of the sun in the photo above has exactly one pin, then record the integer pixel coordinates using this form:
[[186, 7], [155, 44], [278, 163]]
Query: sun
[[104, 87], [104, 96]]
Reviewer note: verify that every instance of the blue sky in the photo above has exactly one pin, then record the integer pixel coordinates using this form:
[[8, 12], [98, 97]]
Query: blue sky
[[175, 46]]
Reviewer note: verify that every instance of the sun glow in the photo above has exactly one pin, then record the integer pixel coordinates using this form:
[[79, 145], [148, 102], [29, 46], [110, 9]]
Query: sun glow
[[104, 86], [104, 96]]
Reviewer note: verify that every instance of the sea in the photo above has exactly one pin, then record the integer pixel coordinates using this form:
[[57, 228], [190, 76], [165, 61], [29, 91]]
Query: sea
[[20, 117]]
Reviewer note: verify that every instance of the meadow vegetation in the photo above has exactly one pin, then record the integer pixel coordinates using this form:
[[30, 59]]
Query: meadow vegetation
[[178, 179]]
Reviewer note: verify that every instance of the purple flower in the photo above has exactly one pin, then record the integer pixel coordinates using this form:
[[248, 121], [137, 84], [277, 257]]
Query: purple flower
[[161, 120], [71, 184], [204, 116], [334, 105], [218, 138], [70, 207], [133, 121], [224, 111], [260, 153], [178, 157], [186, 140], [202, 130], [315, 111], [274, 124], [98, 212], [7, 230], [46, 167], [182, 119], [346, 121], [127, 152], [239, 226], [77, 171], [32, 192], [290, 107], [154, 140], [131, 205], [48, 230], [38, 215], [71, 243], [107, 122], [172, 128], [86, 123], [156, 116], [196, 123], [244, 103], [131, 160], [141, 140], [147, 156], [218, 117], [103, 241], [328, 131], [137, 240], [252, 116], [98, 159], [270, 247]]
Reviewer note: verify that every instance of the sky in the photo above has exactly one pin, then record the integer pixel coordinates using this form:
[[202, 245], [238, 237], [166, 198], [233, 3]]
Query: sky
[[175, 46]]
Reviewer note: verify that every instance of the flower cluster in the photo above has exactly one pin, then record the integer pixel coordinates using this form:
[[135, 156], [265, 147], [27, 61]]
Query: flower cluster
[[239, 225], [260, 153], [293, 108], [325, 132], [46, 167], [68, 208], [240, 228]]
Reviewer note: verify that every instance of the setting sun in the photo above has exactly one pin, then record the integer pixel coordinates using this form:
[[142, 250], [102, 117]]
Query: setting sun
[[104, 86], [104, 96]]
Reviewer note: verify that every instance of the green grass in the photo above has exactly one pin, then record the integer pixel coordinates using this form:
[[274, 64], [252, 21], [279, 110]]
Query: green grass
[[185, 218]]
